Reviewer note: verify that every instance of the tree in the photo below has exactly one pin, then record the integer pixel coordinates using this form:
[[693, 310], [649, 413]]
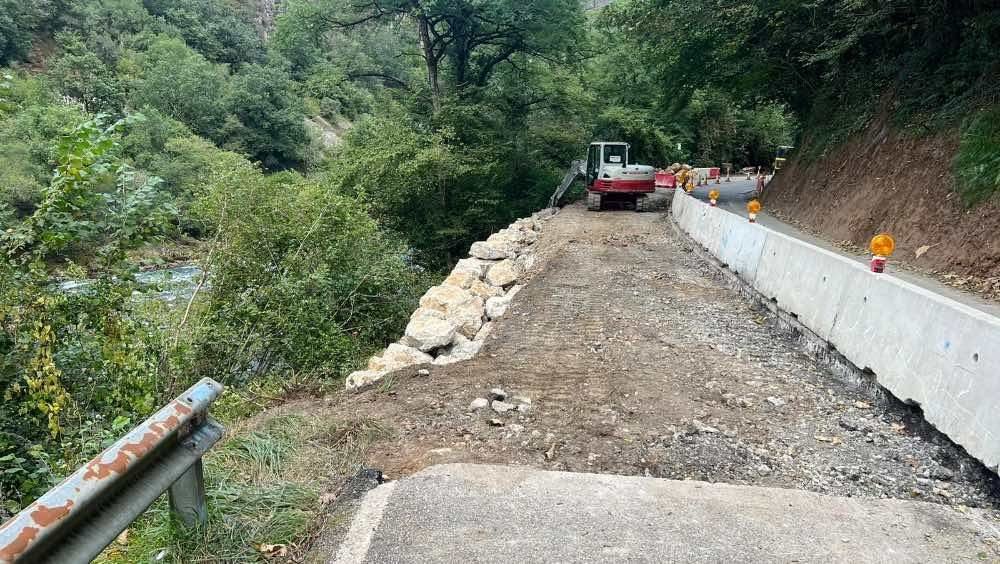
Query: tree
[[470, 39], [304, 279], [270, 124], [19, 21], [106, 28], [84, 77], [184, 85], [214, 28]]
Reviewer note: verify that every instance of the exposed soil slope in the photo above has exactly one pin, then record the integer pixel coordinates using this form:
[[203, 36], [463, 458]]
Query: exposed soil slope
[[882, 180]]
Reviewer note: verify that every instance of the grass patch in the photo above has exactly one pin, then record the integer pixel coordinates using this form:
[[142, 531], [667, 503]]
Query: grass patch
[[977, 163], [264, 485]]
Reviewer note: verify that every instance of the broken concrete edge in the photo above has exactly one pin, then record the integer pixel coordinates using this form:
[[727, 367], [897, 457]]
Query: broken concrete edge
[[882, 332], [456, 317]]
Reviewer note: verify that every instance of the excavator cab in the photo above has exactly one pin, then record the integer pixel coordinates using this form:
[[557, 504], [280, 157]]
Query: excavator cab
[[611, 179]]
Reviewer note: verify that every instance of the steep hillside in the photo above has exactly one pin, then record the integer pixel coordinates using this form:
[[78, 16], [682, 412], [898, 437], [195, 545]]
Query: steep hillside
[[883, 180]]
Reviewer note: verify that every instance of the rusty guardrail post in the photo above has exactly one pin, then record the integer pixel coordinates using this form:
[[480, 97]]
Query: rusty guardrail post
[[77, 519]]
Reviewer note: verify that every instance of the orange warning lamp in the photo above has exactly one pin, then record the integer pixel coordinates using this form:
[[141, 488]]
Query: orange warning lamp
[[713, 197], [753, 208], [882, 247]]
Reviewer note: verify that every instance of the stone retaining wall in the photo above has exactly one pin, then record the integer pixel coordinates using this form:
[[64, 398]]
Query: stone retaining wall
[[455, 317]]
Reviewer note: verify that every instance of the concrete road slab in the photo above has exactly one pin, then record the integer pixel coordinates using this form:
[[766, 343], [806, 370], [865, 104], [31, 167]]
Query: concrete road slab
[[477, 513]]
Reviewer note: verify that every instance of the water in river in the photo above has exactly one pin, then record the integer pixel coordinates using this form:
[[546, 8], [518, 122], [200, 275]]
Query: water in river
[[169, 285]]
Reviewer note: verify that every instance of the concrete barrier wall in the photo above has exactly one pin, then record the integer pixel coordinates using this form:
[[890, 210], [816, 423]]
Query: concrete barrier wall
[[922, 347]]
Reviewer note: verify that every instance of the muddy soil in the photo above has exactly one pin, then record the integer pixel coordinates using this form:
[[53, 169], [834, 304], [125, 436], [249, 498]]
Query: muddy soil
[[638, 361]]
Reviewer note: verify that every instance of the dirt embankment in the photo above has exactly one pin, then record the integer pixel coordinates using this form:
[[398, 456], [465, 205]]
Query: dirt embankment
[[883, 180]]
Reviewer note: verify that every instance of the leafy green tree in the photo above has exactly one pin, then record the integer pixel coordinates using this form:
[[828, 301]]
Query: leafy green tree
[[107, 28], [94, 202], [270, 122], [85, 78], [31, 118], [68, 358], [217, 29], [19, 22], [336, 95], [184, 85], [762, 130], [462, 43], [651, 144], [412, 180]]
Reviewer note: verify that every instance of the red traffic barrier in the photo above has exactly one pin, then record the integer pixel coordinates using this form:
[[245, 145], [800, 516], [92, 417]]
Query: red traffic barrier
[[665, 179]]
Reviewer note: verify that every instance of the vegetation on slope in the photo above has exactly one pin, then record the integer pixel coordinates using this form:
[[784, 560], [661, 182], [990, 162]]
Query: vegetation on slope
[[833, 64]]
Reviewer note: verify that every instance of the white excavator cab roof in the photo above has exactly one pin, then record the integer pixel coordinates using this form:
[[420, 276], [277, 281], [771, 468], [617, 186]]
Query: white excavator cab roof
[[609, 152]]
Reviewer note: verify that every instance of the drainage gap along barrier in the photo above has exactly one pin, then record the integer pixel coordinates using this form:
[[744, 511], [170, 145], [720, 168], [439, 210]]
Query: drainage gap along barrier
[[76, 520], [926, 349]]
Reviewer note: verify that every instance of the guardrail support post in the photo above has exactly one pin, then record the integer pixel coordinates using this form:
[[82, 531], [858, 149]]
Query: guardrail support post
[[187, 497]]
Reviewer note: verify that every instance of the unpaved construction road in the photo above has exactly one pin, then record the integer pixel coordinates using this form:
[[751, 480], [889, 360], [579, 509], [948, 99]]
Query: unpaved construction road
[[638, 360]]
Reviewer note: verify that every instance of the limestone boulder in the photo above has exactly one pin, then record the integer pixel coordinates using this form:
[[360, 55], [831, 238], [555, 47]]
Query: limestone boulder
[[429, 330], [473, 265], [527, 224], [488, 251], [504, 273], [398, 356], [462, 349], [458, 306], [462, 278], [484, 332], [507, 238], [465, 348], [363, 378], [484, 290], [496, 307], [445, 297], [468, 316], [525, 262]]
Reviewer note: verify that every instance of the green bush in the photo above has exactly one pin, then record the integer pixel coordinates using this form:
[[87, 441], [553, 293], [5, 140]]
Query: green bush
[[182, 84], [268, 121], [76, 366], [302, 279], [977, 163], [30, 118]]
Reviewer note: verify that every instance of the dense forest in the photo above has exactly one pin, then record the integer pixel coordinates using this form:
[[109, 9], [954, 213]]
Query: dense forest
[[325, 166]]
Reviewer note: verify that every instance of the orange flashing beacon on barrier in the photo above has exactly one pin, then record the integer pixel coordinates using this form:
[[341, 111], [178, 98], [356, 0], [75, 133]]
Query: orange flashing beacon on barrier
[[713, 197], [753, 208], [882, 247]]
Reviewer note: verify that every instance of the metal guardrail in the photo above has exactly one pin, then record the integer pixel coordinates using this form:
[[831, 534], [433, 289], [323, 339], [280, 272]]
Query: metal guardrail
[[76, 520], [575, 169]]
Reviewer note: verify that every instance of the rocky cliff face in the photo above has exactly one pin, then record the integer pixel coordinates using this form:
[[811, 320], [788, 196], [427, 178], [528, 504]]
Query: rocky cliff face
[[264, 13]]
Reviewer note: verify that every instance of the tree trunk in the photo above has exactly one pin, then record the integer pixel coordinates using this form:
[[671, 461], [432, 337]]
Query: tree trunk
[[431, 60]]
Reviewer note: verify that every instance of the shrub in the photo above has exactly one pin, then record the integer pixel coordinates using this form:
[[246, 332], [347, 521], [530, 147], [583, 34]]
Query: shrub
[[302, 279], [977, 163]]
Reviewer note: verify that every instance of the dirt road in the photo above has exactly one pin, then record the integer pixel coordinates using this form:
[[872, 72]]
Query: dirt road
[[637, 360]]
